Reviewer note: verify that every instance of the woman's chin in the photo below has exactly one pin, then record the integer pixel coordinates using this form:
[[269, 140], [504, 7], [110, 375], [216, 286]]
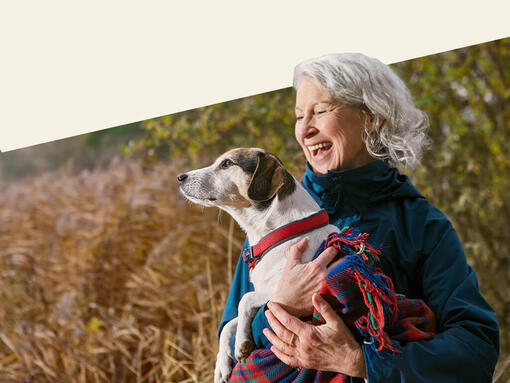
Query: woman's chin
[[322, 162], [320, 168]]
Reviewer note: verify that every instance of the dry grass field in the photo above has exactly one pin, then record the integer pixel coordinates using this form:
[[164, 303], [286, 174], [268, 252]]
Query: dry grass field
[[109, 276]]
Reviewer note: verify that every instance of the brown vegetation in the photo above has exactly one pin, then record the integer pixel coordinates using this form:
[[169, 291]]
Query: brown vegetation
[[107, 277]]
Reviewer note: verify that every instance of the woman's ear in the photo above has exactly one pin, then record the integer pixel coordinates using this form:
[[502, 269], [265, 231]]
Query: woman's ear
[[376, 122]]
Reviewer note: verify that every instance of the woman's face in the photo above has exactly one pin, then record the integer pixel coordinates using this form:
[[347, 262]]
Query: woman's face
[[329, 131]]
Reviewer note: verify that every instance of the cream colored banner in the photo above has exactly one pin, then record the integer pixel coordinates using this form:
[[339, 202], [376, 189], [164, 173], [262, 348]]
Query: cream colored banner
[[73, 67]]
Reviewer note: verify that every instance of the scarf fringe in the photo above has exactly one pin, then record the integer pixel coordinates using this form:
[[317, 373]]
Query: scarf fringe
[[378, 291]]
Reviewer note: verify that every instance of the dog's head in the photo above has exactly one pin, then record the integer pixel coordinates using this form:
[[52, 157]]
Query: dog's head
[[240, 178]]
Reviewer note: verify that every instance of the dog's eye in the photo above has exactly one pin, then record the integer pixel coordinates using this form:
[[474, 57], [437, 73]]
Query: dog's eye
[[226, 164]]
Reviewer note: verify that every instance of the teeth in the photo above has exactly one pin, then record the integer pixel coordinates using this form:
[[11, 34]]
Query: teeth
[[319, 146]]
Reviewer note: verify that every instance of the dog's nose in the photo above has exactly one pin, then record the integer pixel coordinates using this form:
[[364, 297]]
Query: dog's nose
[[182, 177]]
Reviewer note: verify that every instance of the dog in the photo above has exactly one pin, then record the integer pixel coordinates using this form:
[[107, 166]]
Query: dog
[[253, 186]]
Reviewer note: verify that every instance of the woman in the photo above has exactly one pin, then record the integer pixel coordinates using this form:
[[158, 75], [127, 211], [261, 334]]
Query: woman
[[355, 117]]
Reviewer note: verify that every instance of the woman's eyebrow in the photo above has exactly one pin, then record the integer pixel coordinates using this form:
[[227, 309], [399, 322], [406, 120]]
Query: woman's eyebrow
[[323, 102], [297, 108]]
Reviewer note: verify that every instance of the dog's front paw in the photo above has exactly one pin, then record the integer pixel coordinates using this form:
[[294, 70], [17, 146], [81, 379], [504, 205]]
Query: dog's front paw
[[224, 366], [243, 349]]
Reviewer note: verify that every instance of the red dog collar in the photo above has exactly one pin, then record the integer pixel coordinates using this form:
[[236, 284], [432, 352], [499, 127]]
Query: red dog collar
[[253, 254]]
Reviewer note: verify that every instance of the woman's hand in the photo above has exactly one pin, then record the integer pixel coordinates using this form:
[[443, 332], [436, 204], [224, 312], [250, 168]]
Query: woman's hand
[[301, 280], [328, 347]]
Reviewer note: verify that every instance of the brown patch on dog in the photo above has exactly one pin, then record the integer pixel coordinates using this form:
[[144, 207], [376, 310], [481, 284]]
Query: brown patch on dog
[[247, 159], [239, 201], [270, 179]]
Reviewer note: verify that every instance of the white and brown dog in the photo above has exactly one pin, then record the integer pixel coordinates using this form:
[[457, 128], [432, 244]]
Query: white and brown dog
[[255, 189]]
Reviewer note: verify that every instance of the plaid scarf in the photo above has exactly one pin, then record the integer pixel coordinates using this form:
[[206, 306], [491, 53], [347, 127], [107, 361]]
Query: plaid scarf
[[365, 299]]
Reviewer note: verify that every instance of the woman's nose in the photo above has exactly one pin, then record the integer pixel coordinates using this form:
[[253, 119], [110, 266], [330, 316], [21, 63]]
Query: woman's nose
[[310, 132], [308, 127]]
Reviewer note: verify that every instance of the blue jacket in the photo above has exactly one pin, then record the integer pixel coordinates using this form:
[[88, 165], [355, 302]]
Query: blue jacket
[[423, 256]]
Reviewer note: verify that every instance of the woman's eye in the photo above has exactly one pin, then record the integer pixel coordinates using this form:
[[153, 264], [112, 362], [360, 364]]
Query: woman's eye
[[320, 111], [226, 164], [299, 118]]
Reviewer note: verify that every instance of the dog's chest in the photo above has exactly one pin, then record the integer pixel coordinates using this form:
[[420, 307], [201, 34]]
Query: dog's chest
[[268, 271]]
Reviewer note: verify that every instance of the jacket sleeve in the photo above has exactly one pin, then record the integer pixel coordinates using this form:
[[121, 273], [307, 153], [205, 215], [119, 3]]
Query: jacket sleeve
[[466, 346], [241, 285]]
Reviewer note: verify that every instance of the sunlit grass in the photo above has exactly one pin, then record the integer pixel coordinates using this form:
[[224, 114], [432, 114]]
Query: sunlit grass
[[109, 276]]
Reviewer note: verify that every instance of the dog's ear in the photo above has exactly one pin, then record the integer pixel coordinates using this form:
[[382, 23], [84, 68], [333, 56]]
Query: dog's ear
[[269, 177]]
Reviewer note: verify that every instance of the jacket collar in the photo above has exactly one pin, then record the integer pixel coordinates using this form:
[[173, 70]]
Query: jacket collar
[[371, 182]]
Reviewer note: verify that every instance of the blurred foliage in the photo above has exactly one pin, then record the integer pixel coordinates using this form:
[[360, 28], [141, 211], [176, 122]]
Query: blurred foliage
[[87, 151], [199, 135], [121, 133], [466, 173]]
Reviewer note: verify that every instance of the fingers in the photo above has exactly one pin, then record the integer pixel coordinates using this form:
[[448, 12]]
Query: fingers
[[289, 322], [289, 360], [284, 334], [277, 342], [281, 339], [296, 251], [327, 312], [326, 257]]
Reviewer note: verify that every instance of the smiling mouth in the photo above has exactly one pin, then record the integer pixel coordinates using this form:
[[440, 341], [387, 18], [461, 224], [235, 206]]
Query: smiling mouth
[[320, 149]]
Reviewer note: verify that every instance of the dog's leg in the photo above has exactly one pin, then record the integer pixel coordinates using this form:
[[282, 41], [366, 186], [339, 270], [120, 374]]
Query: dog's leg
[[224, 360], [248, 307]]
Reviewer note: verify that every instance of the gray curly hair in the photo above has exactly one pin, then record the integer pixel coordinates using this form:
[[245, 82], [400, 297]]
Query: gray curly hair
[[370, 85]]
